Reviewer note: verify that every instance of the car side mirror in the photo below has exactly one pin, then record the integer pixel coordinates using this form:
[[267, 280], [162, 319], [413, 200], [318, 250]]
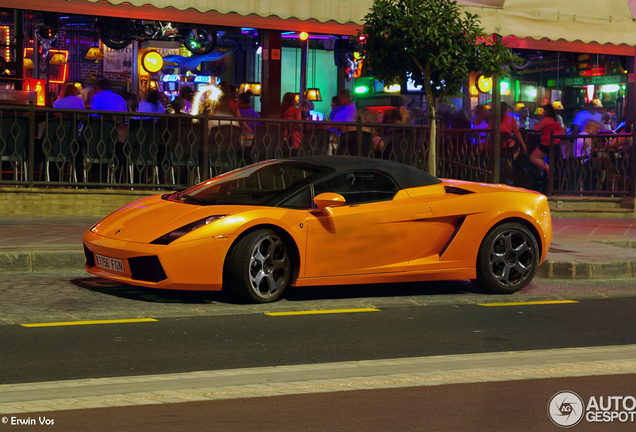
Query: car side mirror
[[326, 200]]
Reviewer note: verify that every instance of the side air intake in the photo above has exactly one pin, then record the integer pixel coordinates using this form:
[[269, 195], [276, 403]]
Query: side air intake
[[457, 191]]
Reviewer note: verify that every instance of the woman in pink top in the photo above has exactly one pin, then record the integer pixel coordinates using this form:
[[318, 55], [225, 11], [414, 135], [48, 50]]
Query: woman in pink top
[[291, 112], [546, 126]]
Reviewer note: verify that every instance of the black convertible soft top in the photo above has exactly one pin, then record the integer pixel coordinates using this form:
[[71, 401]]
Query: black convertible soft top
[[406, 176]]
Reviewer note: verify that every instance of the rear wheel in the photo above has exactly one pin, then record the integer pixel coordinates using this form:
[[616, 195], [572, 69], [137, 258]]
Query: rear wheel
[[508, 259], [258, 268]]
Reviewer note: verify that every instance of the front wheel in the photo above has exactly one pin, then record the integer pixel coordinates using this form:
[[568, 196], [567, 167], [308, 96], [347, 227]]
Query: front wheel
[[258, 268], [508, 259], [199, 41]]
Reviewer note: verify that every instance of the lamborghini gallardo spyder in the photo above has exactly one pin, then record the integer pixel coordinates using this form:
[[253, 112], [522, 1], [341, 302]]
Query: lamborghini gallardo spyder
[[323, 220]]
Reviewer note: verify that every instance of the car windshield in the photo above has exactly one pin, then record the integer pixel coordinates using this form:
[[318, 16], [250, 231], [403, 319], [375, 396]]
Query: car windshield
[[252, 185]]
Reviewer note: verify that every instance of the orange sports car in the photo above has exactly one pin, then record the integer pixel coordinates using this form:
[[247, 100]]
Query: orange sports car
[[323, 220]]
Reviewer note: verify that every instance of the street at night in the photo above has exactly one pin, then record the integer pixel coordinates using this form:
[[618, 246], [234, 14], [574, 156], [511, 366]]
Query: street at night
[[370, 215], [384, 357]]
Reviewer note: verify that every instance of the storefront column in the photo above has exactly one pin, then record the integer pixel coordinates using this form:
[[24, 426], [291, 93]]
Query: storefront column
[[134, 68], [270, 84], [304, 53], [630, 99], [496, 123], [18, 32]]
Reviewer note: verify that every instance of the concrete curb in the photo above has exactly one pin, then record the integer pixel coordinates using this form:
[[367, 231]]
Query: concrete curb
[[65, 261], [587, 270], [30, 262]]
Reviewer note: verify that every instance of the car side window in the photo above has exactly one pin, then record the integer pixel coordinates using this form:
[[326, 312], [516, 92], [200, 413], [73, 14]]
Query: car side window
[[300, 200], [359, 187]]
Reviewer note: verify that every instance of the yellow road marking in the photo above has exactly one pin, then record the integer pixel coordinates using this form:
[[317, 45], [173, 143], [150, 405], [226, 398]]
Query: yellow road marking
[[528, 303], [73, 323], [326, 311]]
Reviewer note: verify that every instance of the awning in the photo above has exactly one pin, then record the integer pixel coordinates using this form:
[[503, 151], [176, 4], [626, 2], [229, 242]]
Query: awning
[[336, 17], [604, 22], [340, 11], [582, 21]]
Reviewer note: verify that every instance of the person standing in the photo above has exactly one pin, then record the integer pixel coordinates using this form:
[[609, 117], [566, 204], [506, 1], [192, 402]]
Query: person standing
[[289, 111], [69, 98], [546, 126], [583, 117], [105, 100], [188, 98], [245, 107]]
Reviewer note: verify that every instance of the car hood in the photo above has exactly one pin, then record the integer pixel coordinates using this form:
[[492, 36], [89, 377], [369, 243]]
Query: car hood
[[147, 219]]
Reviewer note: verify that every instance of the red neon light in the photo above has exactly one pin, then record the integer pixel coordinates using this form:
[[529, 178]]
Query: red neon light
[[38, 87], [54, 51]]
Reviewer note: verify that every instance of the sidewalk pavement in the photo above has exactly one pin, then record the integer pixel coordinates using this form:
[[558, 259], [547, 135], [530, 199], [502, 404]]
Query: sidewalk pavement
[[582, 248]]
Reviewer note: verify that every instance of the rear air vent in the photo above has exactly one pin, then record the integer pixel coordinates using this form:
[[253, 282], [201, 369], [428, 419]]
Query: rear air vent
[[457, 191]]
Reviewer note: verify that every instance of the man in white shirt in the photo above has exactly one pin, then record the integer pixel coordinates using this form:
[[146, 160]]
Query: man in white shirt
[[583, 117]]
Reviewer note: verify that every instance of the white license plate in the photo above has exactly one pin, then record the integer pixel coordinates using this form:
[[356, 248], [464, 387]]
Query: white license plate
[[108, 263]]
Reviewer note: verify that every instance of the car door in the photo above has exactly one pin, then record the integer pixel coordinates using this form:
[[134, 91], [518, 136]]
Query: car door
[[375, 231]]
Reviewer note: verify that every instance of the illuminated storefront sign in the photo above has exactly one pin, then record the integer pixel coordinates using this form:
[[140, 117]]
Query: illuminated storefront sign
[[152, 62]]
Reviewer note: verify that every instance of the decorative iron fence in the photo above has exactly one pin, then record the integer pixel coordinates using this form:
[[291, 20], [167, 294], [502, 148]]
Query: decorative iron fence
[[97, 149], [591, 165], [77, 148]]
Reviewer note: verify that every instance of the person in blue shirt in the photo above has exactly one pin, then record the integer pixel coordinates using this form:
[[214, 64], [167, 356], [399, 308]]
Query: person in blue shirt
[[105, 100], [246, 109], [335, 107]]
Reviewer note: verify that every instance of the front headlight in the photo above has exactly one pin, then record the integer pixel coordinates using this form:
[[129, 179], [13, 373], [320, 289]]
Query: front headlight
[[173, 235]]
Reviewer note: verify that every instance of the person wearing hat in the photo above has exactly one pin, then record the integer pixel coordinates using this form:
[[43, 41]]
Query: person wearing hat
[[589, 113]]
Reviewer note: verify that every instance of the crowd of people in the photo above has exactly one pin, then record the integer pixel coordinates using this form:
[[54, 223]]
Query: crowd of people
[[517, 125]]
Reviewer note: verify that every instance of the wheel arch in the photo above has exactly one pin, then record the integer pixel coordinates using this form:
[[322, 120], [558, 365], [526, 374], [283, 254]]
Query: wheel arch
[[526, 223], [289, 241]]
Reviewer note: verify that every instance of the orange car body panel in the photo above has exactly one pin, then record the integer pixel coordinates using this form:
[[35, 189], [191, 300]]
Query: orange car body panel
[[423, 233]]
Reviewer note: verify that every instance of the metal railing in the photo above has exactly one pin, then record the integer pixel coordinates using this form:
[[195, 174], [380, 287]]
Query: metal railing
[[100, 149], [43, 147], [591, 165]]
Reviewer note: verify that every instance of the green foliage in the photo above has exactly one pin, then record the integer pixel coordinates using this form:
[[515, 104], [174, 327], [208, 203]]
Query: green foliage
[[430, 38]]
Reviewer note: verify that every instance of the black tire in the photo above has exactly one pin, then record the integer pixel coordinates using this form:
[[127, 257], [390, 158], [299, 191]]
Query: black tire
[[258, 267], [109, 37], [507, 260], [199, 41]]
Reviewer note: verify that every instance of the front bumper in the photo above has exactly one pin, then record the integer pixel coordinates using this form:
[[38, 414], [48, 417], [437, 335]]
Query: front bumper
[[193, 265]]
